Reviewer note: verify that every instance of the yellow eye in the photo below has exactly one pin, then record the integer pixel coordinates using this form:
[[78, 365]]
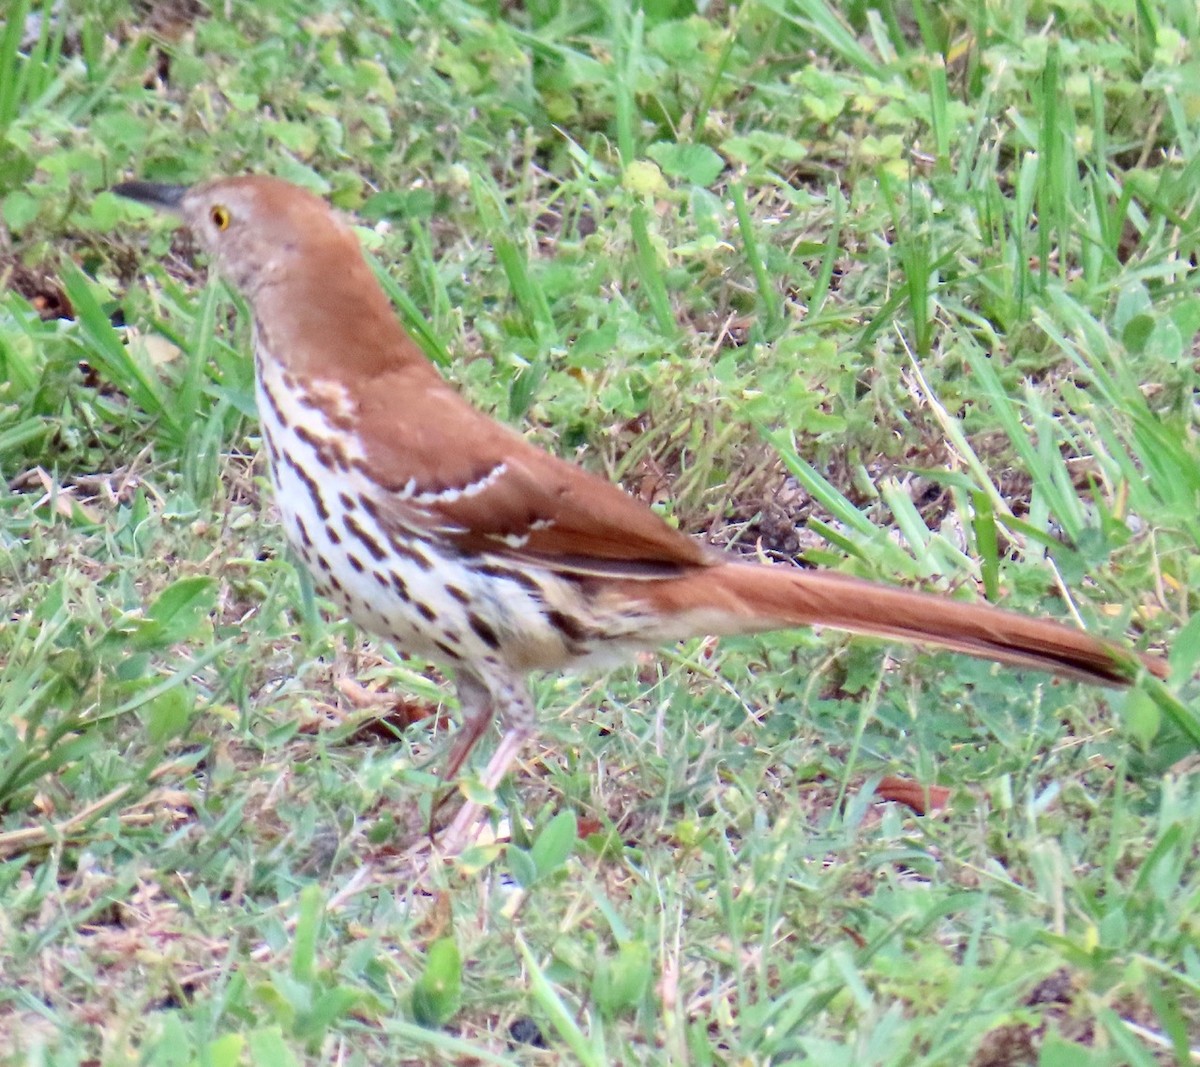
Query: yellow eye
[[219, 214]]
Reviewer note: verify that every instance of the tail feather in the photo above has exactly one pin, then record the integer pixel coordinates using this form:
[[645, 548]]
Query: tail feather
[[749, 598]]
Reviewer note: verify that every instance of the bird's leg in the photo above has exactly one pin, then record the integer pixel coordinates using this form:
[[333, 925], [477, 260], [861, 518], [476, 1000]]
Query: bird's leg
[[477, 712], [462, 831], [519, 715]]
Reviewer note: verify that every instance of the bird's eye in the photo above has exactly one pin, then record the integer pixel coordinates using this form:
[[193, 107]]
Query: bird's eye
[[219, 214]]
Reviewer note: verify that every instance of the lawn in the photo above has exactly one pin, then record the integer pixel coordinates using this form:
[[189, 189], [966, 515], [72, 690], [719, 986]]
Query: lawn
[[899, 288]]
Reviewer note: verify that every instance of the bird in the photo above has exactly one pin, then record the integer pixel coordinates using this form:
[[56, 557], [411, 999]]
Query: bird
[[447, 533]]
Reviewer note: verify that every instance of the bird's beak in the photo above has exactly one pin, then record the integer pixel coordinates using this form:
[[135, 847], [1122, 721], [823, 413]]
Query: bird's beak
[[166, 197]]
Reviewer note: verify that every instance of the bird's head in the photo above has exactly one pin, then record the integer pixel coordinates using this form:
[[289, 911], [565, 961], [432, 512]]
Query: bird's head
[[258, 229]]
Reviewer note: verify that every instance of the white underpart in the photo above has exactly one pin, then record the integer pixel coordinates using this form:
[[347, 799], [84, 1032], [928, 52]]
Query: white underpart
[[340, 544]]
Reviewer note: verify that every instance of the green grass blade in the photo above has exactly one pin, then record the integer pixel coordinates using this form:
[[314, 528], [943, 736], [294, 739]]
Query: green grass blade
[[113, 357]]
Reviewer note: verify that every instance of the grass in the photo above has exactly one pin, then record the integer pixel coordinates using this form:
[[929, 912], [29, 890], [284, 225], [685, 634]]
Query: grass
[[905, 289]]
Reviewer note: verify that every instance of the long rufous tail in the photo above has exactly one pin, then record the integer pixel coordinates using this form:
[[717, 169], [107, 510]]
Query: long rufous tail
[[748, 598]]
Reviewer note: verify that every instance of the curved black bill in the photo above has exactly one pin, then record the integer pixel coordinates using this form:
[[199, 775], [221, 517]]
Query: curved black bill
[[167, 197]]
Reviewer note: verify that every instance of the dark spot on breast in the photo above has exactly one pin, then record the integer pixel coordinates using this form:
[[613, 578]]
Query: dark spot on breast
[[354, 528], [305, 540], [494, 570], [568, 625], [484, 630], [272, 455], [329, 450], [313, 490], [372, 509], [308, 437], [272, 403], [407, 548]]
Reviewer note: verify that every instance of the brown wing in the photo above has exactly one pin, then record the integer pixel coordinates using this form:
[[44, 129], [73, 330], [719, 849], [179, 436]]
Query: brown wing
[[486, 489]]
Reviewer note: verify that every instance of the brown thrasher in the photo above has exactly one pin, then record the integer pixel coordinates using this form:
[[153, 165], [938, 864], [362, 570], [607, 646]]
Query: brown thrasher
[[444, 531]]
